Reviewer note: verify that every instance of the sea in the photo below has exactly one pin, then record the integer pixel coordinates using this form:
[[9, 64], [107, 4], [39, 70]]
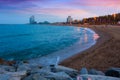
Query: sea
[[26, 42]]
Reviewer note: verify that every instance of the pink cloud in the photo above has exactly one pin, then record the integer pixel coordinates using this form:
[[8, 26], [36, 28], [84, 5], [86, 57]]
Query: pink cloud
[[61, 12], [99, 3]]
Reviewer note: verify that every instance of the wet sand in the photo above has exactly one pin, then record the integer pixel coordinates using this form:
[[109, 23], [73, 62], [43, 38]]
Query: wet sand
[[103, 55]]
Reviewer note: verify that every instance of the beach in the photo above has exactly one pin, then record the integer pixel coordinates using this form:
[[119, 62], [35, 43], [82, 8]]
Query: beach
[[103, 55]]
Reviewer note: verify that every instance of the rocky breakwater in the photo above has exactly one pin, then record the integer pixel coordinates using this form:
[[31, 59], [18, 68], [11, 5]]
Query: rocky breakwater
[[27, 71]]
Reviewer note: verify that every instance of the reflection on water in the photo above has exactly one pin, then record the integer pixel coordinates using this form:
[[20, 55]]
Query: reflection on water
[[95, 36], [86, 36]]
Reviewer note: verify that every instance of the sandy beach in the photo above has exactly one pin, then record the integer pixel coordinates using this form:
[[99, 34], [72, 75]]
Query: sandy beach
[[103, 55]]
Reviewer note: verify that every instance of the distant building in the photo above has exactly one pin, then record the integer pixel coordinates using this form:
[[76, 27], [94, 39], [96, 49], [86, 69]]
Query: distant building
[[45, 22], [32, 20], [69, 20]]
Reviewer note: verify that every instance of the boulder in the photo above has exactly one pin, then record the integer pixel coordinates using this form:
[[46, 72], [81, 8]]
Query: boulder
[[35, 77], [97, 77], [59, 76], [29, 67], [13, 75], [95, 72], [83, 71], [40, 69], [71, 72], [4, 69], [4, 77], [100, 73], [23, 67], [114, 72], [20, 73], [17, 75]]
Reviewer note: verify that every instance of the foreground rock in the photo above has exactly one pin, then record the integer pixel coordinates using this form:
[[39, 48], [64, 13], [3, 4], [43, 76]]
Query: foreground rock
[[84, 71], [26, 71], [71, 72], [59, 76], [4, 68], [114, 72], [95, 72], [35, 77], [96, 77], [13, 75]]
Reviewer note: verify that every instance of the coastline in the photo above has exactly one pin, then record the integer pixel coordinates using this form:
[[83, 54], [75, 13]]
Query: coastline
[[101, 56], [25, 70], [89, 58], [59, 56]]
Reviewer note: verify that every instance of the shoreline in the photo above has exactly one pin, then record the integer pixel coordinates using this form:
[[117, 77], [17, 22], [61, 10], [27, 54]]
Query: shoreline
[[25, 70], [59, 56], [94, 57], [89, 57]]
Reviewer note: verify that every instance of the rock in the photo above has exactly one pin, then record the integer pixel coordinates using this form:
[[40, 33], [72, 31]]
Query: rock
[[71, 72], [4, 77], [29, 68], [4, 69], [92, 71], [13, 75], [4, 62], [95, 72], [97, 77], [59, 76], [63, 76], [23, 67], [35, 77], [38, 77], [20, 73], [45, 73], [114, 72], [83, 71], [15, 78], [52, 68], [9, 77], [100, 73], [17, 75]]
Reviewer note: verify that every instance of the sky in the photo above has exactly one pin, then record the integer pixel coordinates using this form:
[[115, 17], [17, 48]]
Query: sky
[[19, 11]]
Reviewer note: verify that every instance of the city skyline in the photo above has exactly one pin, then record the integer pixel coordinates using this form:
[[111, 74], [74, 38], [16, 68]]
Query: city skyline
[[19, 11]]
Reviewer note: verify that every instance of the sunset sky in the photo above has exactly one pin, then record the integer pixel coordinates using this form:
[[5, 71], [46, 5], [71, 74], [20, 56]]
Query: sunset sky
[[19, 11]]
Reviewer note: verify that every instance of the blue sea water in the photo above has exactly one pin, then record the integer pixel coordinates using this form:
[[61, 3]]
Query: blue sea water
[[22, 42]]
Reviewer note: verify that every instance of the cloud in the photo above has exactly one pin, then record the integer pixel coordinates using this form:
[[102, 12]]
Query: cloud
[[61, 12], [61, 8], [100, 3]]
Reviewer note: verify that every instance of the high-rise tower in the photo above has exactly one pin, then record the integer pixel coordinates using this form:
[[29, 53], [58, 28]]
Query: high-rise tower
[[32, 20], [69, 19]]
